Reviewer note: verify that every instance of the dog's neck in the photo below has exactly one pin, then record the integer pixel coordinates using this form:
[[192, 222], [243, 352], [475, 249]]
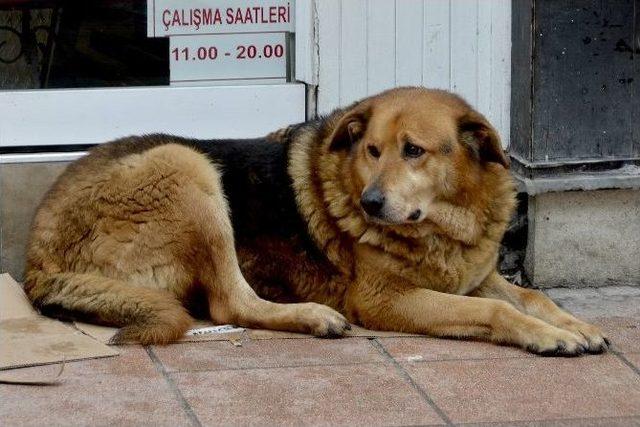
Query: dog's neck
[[325, 197]]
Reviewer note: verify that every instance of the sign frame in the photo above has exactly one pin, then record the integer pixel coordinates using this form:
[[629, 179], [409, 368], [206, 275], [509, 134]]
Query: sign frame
[[167, 18], [247, 58]]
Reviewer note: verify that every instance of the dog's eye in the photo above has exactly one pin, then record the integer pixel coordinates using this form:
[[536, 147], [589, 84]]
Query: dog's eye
[[373, 150], [411, 150]]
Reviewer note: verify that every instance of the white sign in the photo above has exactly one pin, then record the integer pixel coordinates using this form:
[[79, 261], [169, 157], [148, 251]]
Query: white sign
[[226, 57], [183, 17], [208, 330]]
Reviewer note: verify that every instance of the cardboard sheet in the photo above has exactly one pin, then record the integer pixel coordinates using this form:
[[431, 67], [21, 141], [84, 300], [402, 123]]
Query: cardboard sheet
[[206, 331], [14, 303], [9, 377], [28, 339]]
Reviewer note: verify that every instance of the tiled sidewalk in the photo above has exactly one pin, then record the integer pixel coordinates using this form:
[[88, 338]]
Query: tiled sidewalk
[[354, 381]]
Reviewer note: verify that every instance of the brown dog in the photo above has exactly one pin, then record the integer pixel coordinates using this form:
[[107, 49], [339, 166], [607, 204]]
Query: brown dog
[[390, 212]]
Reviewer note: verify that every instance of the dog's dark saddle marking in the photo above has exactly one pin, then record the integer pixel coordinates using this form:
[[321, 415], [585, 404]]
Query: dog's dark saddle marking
[[254, 174]]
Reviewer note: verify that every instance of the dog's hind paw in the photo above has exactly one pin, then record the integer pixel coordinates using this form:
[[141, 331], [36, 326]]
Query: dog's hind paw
[[322, 321]]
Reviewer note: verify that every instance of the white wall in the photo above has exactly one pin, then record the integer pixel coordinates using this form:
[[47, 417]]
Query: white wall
[[366, 46]]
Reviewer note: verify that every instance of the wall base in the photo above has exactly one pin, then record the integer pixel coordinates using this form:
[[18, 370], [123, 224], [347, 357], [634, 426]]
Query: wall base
[[584, 239], [22, 186]]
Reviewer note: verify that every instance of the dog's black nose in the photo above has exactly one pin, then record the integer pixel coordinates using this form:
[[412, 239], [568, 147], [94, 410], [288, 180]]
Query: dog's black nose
[[372, 201]]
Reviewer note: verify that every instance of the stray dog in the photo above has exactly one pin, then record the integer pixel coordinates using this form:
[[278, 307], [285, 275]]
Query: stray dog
[[388, 214]]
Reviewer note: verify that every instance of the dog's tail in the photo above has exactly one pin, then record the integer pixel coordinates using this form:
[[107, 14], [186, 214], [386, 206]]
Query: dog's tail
[[148, 316]]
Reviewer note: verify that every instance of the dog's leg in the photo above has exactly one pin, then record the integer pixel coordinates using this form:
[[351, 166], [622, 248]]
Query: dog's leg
[[537, 304], [231, 298], [147, 316], [388, 303]]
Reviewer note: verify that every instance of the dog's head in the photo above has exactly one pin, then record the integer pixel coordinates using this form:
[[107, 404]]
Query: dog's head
[[408, 147]]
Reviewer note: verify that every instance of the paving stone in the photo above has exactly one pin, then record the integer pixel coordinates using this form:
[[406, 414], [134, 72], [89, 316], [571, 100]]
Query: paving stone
[[267, 353], [84, 400], [592, 303], [133, 361], [634, 358], [620, 291], [624, 291], [581, 422], [365, 394], [507, 390], [564, 293], [623, 333], [426, 349], [348, 381]]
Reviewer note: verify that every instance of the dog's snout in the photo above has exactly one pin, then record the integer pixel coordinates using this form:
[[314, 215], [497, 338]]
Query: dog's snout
[[372, 201]]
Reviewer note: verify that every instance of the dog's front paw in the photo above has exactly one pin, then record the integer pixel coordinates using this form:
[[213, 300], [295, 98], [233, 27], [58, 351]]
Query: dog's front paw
[[322, 321], [552, 341], [596, 339]]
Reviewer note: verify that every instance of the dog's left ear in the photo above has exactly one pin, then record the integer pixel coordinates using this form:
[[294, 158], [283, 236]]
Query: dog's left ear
[[350, 127], [477, 134]]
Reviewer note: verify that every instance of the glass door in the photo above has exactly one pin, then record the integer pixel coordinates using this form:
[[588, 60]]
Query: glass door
[[78, 73]]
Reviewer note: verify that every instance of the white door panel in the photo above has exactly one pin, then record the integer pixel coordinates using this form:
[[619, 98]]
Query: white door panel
[[366, 46]]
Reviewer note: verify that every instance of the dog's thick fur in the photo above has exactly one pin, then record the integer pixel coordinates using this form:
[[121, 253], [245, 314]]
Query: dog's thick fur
[[139, 233]]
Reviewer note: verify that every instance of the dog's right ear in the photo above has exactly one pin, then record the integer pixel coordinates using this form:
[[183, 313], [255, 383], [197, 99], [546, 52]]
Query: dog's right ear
[[350, 127], [482, 138]]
